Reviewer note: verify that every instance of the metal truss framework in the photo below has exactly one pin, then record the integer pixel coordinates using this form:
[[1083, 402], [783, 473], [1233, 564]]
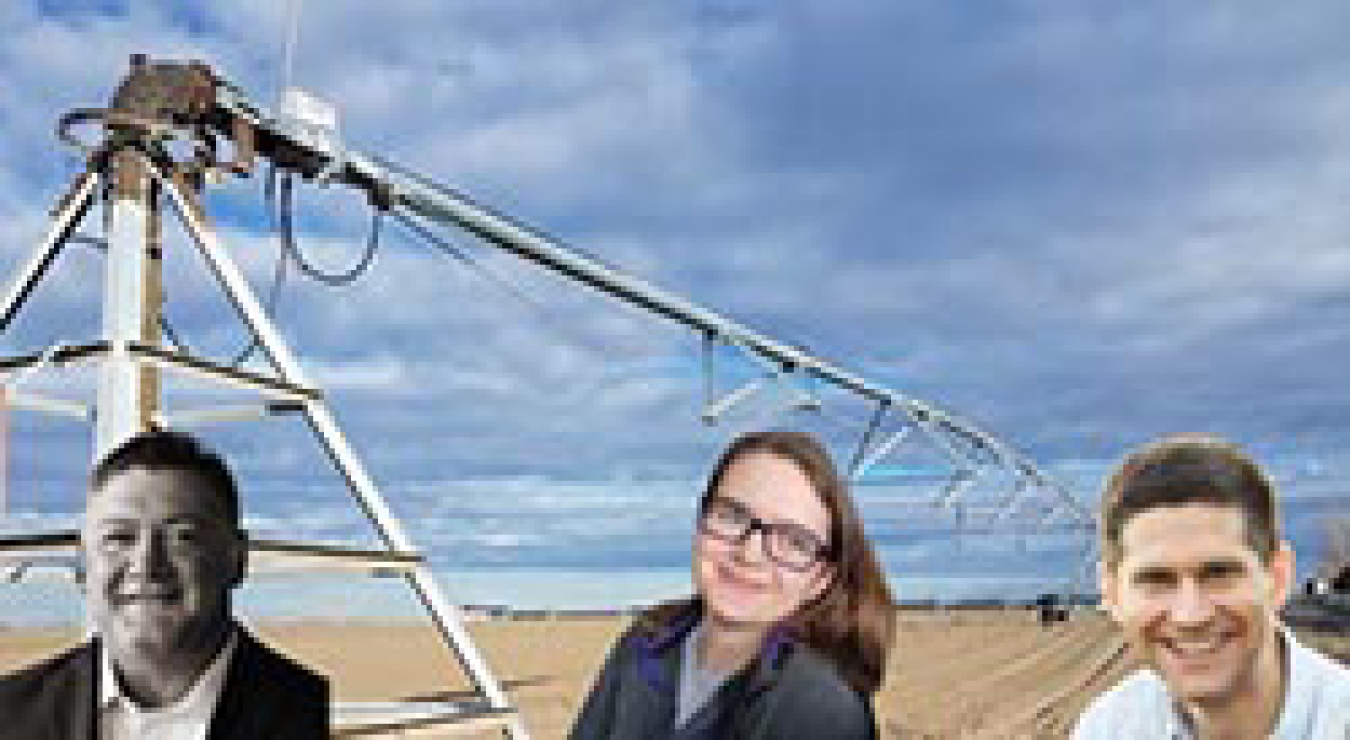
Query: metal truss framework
[[973, 452], [286, 391], [220, 110], [980, 461]]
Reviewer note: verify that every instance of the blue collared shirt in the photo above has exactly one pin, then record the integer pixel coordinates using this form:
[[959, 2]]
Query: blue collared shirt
[[1316, 704]]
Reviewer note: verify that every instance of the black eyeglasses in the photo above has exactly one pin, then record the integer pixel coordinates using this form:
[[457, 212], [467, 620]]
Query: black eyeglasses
[[790, 545]]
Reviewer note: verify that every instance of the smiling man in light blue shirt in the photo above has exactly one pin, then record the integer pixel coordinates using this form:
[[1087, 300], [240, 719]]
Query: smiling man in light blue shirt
[[1194, 571]]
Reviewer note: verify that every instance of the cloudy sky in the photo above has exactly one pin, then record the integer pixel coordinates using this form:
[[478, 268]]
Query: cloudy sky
[[1080, 225]]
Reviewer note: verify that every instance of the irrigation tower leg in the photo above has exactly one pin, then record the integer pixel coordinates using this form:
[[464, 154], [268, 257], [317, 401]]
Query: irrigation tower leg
[[68, 215], [447, 617]]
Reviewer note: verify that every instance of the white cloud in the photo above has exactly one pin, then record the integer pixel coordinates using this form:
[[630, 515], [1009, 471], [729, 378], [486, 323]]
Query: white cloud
[[1084, 225], [378, 373]]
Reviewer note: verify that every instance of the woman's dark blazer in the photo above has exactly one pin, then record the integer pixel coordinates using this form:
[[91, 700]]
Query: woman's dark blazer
[[788, 692]]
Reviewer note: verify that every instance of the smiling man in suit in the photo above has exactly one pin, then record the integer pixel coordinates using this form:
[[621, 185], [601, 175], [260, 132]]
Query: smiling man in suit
[[162, 550]]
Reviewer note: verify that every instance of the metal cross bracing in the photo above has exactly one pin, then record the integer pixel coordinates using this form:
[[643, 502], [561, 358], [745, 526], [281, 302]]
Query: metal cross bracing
[[788, 368], [162, 103], [979, 461], [133, 170], [124, 361]]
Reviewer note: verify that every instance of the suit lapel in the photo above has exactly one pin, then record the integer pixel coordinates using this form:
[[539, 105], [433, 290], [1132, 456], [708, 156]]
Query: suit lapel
[[76, 713], [240, 700], [65, 707]]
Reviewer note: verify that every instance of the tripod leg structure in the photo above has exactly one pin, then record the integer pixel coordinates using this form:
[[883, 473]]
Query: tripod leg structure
[[68, 215], [447, 617]]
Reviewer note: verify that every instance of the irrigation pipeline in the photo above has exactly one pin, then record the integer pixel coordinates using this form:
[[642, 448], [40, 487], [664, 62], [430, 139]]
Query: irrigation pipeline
[[162, 102]]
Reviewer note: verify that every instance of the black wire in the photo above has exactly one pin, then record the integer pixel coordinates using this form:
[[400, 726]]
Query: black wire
[[460, 254], [278, 270], [332, 279], [537, 307], [456, 195], [172, 335], [280, 211]]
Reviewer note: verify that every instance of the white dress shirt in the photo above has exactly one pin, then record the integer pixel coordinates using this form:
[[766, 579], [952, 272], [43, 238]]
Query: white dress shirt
[[1316, 704], [189, 718]]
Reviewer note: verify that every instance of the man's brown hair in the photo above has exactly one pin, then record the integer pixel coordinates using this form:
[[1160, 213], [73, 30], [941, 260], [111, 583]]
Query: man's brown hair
[[1190, 469]]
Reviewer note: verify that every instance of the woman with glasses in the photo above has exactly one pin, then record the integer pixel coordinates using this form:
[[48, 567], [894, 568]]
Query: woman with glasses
[[788, 633]]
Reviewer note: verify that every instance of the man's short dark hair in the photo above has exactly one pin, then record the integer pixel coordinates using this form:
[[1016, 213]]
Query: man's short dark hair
[[169, 450], [1190, 469]]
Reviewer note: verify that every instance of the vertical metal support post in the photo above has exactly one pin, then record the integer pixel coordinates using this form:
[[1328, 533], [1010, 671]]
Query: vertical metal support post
[[447, 617], [127, 392], [1007, 508], [149, 385], [709, 367]]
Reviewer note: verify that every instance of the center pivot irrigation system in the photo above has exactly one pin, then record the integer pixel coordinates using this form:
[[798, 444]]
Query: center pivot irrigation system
[[160, 142]]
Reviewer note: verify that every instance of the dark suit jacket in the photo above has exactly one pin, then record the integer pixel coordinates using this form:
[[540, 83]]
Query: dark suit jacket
[[265, 697], [788, 693]]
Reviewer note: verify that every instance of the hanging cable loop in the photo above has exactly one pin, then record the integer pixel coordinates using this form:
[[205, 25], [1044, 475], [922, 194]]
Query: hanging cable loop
[[293, 251]]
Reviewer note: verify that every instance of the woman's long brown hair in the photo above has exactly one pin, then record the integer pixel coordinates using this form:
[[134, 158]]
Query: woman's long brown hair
[[852, 622]]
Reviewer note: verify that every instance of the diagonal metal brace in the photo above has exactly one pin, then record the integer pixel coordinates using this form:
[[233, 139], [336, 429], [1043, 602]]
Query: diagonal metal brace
[[774, 372], [882, 449]]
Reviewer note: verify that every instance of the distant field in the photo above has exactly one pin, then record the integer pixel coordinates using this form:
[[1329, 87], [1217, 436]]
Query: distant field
[[1334, 644], [957, 675]]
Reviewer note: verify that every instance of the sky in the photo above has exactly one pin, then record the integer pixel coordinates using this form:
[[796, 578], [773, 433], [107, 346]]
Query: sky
[[1080, 225]]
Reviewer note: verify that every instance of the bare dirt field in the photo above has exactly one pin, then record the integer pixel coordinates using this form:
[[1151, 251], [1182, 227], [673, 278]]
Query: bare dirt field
[[956, 675]]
